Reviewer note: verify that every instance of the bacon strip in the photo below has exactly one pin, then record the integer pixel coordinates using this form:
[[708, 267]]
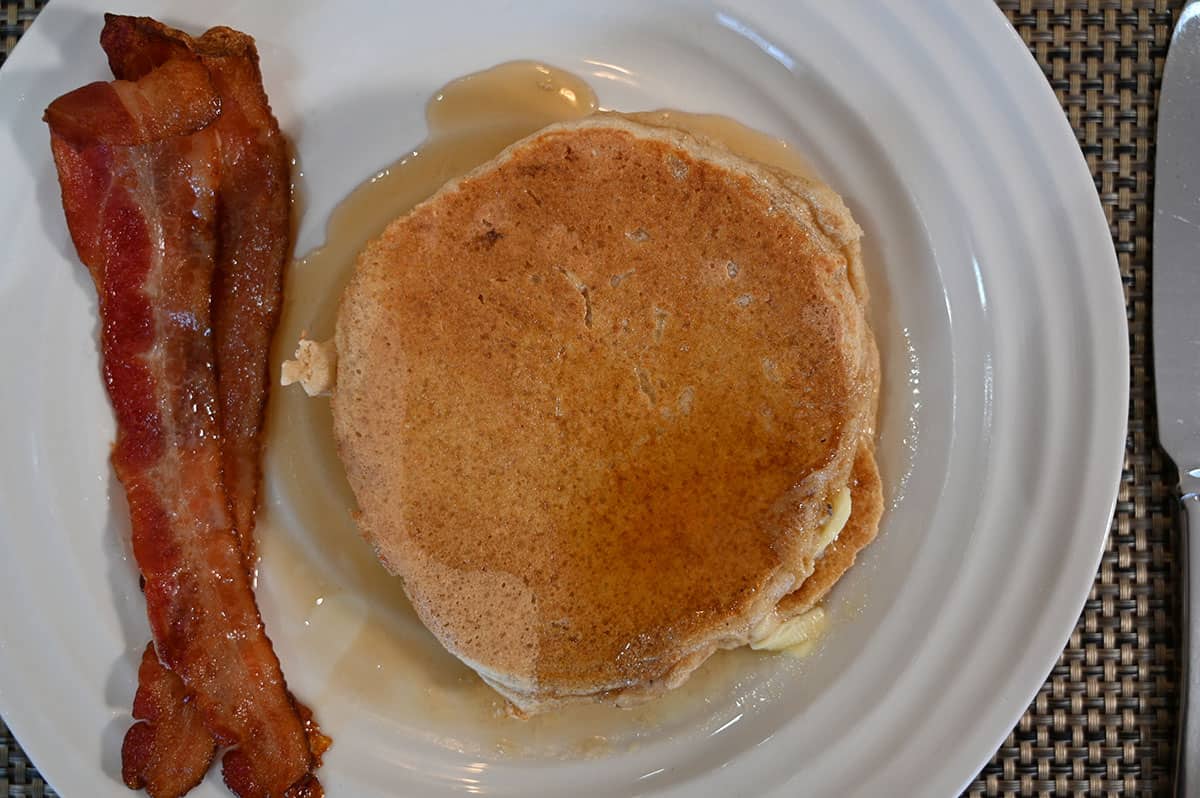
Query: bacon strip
[[143, 217], [97, 112], [252, 250], [255, 228], [169, 753]]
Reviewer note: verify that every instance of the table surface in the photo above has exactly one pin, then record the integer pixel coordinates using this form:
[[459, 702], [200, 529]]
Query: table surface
[[1104, 722]]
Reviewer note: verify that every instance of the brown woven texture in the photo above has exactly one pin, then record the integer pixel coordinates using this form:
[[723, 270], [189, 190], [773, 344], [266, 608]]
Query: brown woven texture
[[15, 16], [1104, 723]]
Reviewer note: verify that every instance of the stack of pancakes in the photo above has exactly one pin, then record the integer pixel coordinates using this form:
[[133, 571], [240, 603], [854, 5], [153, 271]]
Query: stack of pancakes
[[599, 400]]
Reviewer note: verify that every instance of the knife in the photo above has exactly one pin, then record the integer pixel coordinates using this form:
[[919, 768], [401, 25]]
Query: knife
[[1176, 309]]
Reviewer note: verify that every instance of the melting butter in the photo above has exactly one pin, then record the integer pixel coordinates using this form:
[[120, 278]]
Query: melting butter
[[797, 636], [838, 516]]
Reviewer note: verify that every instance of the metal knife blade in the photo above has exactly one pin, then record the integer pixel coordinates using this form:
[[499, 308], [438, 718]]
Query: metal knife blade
[[1176, 324], [1176, 273]]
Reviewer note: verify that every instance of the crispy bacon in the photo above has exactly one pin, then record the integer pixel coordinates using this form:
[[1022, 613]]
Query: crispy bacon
[[168, 745], [97, 112], [252, 249], [255, 227], [169, 753], [143, 215]]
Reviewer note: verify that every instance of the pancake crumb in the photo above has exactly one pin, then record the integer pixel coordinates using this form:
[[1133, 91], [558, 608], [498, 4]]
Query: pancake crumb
[[314, 367]]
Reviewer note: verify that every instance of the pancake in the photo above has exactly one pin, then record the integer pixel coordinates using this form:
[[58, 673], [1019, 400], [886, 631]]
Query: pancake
[[595, 399]]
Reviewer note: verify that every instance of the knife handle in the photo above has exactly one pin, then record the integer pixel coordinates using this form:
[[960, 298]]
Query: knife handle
[[1187, 778]]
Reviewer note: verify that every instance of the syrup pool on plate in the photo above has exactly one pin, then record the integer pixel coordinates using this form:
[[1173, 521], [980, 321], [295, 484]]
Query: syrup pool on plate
[[359, 632]]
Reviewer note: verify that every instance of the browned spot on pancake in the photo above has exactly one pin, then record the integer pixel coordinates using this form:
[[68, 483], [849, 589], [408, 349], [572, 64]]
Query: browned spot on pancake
[[489, 239]]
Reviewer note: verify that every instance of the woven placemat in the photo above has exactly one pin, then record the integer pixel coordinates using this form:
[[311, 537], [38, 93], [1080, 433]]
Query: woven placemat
[[1104, 722]]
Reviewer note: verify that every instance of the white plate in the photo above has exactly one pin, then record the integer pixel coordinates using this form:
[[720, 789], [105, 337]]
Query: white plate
[[998, 307]]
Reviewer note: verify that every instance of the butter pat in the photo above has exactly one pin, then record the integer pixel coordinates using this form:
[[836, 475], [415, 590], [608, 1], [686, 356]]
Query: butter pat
[[314, 367], [837, 520], [797, 636]]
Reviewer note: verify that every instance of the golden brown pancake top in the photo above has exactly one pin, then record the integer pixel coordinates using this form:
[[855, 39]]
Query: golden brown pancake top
[[592, 397]]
